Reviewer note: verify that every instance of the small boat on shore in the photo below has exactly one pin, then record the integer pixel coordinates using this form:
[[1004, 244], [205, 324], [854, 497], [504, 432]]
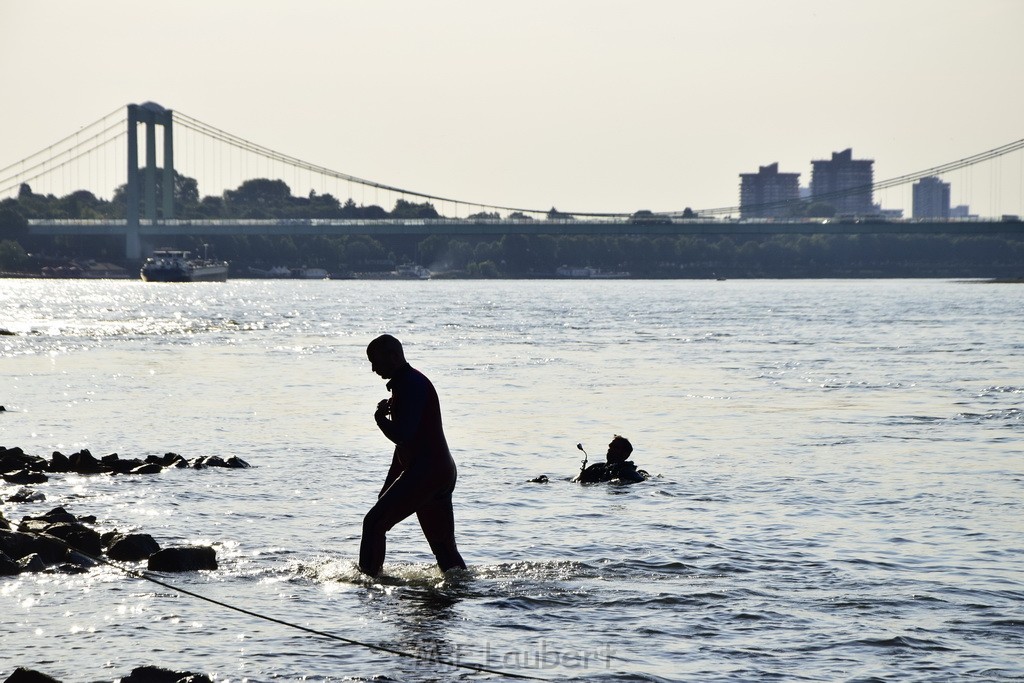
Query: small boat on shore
[[175, 265]]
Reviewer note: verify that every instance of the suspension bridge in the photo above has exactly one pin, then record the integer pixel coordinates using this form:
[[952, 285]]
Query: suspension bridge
[[105, 154]]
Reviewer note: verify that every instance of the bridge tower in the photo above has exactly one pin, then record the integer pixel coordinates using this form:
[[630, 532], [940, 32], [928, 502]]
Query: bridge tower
[[153, 115]]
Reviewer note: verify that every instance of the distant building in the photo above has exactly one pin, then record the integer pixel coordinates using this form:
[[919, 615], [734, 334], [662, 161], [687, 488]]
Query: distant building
[[768, 193], [931, 198], [961, 211], [844, 183]]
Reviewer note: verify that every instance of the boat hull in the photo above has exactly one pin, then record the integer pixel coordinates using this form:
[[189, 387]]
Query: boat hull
[[198, 274]]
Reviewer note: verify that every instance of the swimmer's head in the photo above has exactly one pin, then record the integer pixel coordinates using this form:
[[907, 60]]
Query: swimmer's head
[[619, 449]]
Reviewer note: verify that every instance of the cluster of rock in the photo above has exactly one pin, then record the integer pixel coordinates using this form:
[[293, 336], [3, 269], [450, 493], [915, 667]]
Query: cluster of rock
[[141, 674], [17, 467], [58, 541]]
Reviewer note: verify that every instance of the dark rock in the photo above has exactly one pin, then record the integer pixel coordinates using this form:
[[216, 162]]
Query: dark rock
[[14, 544], [25, 477], [32, 563], [27, 495], [113, 463], [17, 545], [67, 568], [8, 567], [33, 526], [4, 524], [84, 462], [236, 462], [155, 674], [131, 547], [148, 468], [49, 548], [215, 461], [78, 536], [57, 514], [23, 675], [542, 479], [11, 459], [169, 459], [183, 559], [59, 462], [81, 560]]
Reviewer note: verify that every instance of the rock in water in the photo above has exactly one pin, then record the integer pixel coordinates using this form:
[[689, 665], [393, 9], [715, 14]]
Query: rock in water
[[183, 559]]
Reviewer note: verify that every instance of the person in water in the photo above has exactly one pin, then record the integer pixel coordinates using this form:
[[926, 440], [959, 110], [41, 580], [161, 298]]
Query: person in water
[[422, 474], [617, 465]]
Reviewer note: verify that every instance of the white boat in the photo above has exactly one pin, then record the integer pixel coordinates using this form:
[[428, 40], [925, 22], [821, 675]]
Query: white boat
[[412, 271]]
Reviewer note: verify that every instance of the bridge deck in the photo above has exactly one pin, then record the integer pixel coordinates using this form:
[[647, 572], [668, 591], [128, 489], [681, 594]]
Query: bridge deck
[[339, 227]]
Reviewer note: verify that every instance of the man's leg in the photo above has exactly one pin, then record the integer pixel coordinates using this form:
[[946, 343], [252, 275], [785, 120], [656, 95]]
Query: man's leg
[[398, 502], [438, 523]]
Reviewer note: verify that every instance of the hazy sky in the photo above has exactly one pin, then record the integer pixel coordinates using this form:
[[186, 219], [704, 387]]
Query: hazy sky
[[587, 105]]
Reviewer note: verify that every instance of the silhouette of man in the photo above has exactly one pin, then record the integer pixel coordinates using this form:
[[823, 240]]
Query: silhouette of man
[[422, 474], [617, 465]]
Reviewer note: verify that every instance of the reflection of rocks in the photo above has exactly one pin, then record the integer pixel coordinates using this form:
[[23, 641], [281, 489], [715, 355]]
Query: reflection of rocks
[[17, 467]]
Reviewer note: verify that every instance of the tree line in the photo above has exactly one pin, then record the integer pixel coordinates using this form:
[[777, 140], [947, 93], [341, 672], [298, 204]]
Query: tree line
[[512, 255]]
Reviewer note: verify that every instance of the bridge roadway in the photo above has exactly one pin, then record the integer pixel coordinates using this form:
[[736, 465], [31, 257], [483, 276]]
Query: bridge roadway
[[147, 230]]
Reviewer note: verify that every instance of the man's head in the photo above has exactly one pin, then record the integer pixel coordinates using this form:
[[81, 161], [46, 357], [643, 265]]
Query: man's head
[[619, 449], [386, 356]]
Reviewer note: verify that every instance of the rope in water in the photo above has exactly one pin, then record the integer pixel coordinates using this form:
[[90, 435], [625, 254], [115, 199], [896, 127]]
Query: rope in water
[[145, 576]]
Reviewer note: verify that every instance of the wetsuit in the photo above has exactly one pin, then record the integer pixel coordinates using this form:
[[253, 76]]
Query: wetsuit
[[421, 478], [625, 472]]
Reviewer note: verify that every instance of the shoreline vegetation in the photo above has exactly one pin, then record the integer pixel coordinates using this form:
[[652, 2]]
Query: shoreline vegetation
[[509, 256]]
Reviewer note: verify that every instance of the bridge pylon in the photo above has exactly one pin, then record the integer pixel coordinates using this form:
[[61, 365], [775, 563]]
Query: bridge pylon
[[153, 115]]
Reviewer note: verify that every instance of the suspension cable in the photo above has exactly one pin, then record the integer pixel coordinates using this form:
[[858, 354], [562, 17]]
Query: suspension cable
[[61, 142], [49, 165]]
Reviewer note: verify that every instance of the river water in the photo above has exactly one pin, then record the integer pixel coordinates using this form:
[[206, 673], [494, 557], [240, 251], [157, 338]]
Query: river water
[[837, 490]]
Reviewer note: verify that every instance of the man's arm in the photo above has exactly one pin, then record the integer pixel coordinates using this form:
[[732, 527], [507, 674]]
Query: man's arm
[[406, 412]]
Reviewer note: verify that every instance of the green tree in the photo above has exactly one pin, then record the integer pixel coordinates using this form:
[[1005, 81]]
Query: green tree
[[13, 226], [404, 209], [12, 257]]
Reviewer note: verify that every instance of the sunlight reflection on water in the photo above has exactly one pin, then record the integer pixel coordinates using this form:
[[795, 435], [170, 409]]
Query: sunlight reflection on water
[[837, 477]]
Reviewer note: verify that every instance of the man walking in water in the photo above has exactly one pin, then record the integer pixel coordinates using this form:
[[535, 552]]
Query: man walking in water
[[422, 475]]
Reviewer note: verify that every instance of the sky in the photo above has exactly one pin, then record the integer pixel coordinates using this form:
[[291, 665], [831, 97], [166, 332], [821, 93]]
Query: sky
[[583, 105]]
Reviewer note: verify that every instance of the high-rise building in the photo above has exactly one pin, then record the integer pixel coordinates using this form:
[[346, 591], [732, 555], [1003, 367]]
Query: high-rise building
[[844, 182], [931, 198], [768, 193]]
